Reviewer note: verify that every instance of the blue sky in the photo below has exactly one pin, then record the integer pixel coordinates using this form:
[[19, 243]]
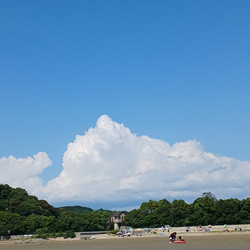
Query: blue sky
[[175, 71]]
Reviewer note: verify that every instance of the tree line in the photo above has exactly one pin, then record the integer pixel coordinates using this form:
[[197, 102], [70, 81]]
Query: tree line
[[205, 210], [21, 213]]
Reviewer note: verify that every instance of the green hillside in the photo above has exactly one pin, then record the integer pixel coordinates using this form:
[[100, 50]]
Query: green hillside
[[77, 209], [17, 200], [21, 213]]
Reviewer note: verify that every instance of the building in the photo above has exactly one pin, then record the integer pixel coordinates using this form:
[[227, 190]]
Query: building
[[118, 219]]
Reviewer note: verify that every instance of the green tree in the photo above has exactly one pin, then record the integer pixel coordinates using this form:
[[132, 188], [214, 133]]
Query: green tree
[[179, 212], [39, 222], [164, 209], [11, 223], [245, 211], [134, 218], [226, 211]]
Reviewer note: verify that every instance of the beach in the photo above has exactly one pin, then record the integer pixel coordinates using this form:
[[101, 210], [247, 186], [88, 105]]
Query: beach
[[198, 240]]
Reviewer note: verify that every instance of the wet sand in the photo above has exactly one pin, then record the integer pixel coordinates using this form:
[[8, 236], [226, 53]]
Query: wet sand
[[218, 241]]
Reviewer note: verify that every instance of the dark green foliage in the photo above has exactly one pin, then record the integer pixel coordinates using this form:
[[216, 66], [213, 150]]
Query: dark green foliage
[[135, 218], [65, 235], [204, 210], [10, 223], [21, 213], [77, 209], [17, 200], [69, 234], [113, 231]]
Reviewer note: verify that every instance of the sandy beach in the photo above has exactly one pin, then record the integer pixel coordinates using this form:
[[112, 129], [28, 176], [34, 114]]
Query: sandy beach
[[198, 240]]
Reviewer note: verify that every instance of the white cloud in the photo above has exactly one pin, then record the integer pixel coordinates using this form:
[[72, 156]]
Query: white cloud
[[109, 163], [23, 172]]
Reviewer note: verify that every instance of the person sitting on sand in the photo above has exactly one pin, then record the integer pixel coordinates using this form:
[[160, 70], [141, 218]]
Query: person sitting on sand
[[172, 237], [181, 238]]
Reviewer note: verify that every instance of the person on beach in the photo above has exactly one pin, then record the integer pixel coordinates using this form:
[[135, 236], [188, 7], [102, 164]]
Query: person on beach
[[172, 237], [181, 238]]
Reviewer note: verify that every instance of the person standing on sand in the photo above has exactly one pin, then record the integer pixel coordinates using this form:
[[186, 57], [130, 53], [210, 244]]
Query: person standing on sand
[[172, 237]]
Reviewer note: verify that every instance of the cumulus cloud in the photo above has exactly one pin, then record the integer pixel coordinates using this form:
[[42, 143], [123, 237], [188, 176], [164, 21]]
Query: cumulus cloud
[[110, 164], [23, 172]]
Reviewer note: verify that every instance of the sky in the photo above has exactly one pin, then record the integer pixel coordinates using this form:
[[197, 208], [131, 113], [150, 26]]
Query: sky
[[108, 104]]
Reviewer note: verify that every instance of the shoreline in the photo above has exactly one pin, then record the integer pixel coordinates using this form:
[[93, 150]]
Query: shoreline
[[194, 232], [194, 241]]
